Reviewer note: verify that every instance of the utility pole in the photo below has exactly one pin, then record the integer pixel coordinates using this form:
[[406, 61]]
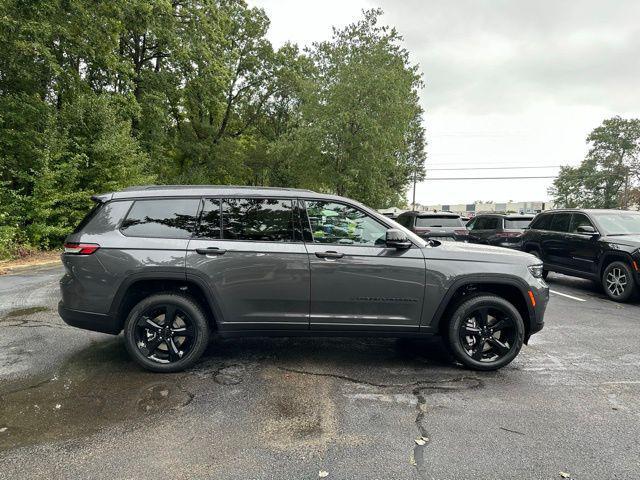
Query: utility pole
[[415, 173]]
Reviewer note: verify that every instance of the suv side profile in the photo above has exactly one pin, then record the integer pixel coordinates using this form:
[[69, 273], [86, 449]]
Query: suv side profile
[[170, 266], [600, 245], [498, 230]]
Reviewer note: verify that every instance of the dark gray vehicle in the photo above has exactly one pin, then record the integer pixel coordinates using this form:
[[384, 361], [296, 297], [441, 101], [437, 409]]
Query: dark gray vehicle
[[170, 266], [497, 229], [441, 226]]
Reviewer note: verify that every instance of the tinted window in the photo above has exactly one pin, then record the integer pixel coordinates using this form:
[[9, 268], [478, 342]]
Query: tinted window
[[257, 219], [517, 223], [579, 220], [493, 223], [405, 221], [439, 221], [560, 222], [170, 218], [541, 222], [341, 224], [210, 224], [487, 223]]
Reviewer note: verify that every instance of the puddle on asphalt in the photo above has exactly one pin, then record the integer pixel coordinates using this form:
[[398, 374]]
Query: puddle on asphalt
[[96, 388], [22, 312]]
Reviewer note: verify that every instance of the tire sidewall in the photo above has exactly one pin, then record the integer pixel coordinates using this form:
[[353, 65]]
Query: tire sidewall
[[461, 314], [200, 324], [628, 293]]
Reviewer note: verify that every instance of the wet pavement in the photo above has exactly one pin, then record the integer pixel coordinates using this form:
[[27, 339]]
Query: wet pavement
[[72, 404]]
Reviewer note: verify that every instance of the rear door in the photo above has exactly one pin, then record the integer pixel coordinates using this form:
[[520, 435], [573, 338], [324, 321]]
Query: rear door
[[357, 283], [251, 254], [555, 242]]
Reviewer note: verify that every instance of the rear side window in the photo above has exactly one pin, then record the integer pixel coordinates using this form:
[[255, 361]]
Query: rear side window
[[210, 219], [258, 219], [166, 218], [560, 222], [439, 221], [541, 222], [517, 223]]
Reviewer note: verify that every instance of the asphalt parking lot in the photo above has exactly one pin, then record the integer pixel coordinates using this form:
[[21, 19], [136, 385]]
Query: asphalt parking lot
[[72, 405]]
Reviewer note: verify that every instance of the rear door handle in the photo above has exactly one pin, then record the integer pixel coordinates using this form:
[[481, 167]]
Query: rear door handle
[[211, 251], [329, 254]]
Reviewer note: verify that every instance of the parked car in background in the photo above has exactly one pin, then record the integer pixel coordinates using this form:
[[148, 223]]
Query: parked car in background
[[169, 266], [441, 226], [601, 245], [499, 230]]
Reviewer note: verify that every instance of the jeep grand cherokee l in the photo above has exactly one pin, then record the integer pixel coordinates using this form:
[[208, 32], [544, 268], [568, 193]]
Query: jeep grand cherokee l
[[601, 245], [171, 265]]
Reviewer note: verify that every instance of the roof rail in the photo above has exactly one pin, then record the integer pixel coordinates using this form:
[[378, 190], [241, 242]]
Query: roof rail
[[186, 187]]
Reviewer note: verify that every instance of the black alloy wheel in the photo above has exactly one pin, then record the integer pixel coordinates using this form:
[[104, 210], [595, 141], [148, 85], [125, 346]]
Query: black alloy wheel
[[166, 332], [486, 332]]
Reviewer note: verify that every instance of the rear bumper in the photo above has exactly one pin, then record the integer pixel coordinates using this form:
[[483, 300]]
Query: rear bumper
[[97, 322]]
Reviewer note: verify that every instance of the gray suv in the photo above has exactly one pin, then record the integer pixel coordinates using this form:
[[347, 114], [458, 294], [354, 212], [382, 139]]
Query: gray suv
[[172, 265]]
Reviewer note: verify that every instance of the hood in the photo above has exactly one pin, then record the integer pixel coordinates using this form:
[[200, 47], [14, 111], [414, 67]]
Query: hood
[[478, 253], [628, 240]]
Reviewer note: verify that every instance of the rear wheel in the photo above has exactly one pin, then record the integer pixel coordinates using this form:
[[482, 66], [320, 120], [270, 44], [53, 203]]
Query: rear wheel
[[617, 281], [486, 332], [536, 253], [166, 332]]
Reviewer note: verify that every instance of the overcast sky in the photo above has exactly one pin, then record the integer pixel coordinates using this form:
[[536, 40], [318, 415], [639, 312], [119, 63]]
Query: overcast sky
[[508, 83]]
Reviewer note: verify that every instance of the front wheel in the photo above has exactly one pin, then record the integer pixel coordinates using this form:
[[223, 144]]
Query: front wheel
[[617, 280], [485, 332], [166, 332]]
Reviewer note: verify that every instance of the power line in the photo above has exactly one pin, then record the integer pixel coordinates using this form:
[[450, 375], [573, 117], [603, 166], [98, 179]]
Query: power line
[[485, 178], [493, 168]]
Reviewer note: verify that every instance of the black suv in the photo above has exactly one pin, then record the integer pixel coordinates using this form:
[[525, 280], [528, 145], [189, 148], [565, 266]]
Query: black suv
[[442, 226], [171, 265], [602, 245], [498, 230]]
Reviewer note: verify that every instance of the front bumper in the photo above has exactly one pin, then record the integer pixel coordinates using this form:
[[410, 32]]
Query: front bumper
[[97, 322]]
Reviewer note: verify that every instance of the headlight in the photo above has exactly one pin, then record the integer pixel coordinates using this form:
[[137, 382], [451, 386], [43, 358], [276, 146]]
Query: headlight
[[536, 270]]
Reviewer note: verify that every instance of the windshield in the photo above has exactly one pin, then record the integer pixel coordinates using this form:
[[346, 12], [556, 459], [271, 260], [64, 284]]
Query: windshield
[[619, 223], [439, 221], [519, 223]]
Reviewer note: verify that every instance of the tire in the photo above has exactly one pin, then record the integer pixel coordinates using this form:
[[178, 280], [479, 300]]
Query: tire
[[161, 347], [466, 317], [617, 281], [536, 253]]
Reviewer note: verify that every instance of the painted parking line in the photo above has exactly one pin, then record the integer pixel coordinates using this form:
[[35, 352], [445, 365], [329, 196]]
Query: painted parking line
[[568, 296]]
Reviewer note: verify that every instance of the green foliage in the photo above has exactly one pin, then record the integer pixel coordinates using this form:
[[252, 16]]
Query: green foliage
[[99, 95], [609, 176]]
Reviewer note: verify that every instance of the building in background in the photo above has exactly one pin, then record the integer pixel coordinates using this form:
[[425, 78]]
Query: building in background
[[472, 209]]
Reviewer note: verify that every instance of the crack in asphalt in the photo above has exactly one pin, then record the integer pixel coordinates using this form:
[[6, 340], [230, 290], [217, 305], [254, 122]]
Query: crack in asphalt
[[421, 390]]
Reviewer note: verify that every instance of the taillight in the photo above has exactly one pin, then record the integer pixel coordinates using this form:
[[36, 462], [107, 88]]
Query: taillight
[[420, 230], [80, 248], [461, 232]]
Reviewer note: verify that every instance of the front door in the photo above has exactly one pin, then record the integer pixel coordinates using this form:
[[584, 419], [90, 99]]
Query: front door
[[358, 283], [251, 254]]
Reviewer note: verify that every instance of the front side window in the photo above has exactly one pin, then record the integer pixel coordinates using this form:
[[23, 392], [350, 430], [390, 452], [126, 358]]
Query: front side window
[[336, 223], [166, 218], [579, 220], [257, 219], [560, 222], [210, 220]]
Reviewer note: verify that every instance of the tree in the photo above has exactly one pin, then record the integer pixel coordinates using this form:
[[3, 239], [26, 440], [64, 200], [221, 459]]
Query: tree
[[609, 175]]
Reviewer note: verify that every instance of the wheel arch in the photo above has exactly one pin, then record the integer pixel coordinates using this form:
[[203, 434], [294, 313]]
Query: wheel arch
[[609, 257], [510, 288]]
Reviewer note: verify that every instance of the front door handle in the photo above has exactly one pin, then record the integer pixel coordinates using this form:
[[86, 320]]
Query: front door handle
[[211, 251], [329, 254]]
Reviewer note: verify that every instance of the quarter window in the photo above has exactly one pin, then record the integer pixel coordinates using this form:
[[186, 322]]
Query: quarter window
[[167, 218], [335, 223], [257, 219]]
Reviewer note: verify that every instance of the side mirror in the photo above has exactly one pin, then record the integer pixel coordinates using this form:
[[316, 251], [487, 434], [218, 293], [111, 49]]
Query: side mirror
[[397, 239], [587, 230]]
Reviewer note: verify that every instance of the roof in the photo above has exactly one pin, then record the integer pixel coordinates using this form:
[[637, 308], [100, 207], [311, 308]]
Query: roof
[[589, 210], [204, 190], [429, 214], [507, 215]]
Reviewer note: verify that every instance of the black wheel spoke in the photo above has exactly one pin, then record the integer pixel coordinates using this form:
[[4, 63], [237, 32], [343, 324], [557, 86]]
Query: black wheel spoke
[[469, 330], [482, 316], [183, 332], [499, 325], [152, 346], [172, 349], [499, 346], [477, 352], [170, 315]]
